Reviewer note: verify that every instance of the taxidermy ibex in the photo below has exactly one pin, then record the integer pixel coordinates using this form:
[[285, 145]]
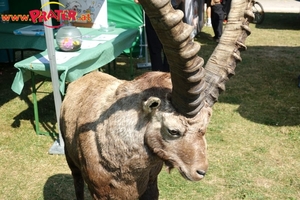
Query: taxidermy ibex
[[119, 133]]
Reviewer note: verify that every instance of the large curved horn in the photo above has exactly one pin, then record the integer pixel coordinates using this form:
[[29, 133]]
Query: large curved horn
[[221, 64], [187, 74]]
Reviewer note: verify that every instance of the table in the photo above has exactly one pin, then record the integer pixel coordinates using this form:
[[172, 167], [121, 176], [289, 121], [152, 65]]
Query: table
[[87, 59], [8, 40]]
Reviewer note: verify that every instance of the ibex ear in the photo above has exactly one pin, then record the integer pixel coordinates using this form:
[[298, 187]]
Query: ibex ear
[[151, 104]]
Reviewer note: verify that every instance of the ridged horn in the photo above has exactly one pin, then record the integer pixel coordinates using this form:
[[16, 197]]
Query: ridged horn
[[193, 86], [221, 64], [187, 73]]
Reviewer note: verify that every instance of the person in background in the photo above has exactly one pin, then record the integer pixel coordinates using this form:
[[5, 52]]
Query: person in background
[[217, 17], [158, 58], [208, 13], [226, 8]]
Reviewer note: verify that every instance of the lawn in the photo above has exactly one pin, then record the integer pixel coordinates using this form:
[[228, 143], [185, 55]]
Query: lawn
[[253, 138]]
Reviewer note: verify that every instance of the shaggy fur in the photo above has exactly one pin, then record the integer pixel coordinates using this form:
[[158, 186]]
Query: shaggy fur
[[118, 134]]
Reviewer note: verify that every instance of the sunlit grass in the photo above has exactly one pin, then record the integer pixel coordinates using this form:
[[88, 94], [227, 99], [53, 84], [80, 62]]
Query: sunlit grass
[[253, 138]]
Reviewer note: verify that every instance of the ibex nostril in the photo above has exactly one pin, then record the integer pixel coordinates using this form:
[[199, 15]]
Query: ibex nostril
[[201, 172]]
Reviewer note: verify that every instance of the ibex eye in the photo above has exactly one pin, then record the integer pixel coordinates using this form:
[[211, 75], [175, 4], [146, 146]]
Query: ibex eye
[[174, 133]]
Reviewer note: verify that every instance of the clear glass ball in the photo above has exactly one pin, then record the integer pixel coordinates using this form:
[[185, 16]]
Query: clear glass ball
[[69, 38]]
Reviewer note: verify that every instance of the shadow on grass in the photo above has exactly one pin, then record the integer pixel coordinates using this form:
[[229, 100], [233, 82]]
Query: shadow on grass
[[280, 21], [60, 187], [46, 112], [45, 104], [7, 74], [265, 85]]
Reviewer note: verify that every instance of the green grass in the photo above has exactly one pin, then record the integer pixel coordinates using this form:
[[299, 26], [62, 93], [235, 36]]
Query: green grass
[[253, 138]]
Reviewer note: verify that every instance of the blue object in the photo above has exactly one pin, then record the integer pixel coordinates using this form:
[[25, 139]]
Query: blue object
[[6, 55], [3, 8], [31, 30]]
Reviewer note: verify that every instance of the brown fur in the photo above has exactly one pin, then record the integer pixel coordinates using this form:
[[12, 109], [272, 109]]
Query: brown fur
[[119, 133]]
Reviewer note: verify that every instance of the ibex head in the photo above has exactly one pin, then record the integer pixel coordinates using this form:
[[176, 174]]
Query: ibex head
[[179, 141], [194, 89]]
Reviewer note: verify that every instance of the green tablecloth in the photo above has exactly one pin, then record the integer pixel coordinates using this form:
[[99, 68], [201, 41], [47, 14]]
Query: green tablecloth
[[87, 60], [8, 40]]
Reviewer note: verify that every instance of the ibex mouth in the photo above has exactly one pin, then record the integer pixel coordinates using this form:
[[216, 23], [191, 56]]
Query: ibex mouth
[[169, 165], [197, 177], [184, 175]]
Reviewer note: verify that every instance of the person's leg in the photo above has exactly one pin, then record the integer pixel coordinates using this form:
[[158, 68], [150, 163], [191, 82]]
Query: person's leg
[[208, 12], [226, 8], [220, 14], [214, 21], [217, 20], [154, 46], [166, 67]]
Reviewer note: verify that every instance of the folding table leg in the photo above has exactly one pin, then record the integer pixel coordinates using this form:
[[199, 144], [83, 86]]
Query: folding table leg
[[8, 56], [131, 63], [35, 105]]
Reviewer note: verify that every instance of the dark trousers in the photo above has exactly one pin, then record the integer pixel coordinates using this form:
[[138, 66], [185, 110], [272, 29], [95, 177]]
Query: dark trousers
[[158, 58], [217, 17], [226, 7]]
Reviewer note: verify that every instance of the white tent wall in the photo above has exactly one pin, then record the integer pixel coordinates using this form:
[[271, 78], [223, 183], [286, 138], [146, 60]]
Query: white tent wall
[[96, 9]]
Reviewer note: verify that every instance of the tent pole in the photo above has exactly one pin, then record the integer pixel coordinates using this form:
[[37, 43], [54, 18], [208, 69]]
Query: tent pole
[[146, 64], [58, 146]]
